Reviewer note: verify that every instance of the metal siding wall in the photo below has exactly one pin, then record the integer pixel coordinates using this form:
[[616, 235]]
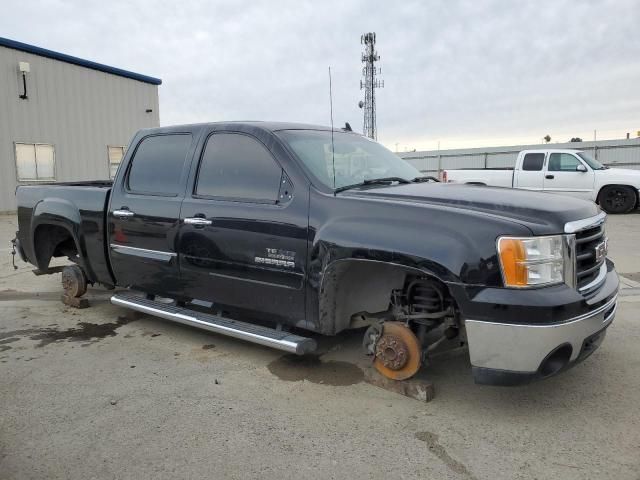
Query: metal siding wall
[[502, 160], [626, 156], [79, 110]]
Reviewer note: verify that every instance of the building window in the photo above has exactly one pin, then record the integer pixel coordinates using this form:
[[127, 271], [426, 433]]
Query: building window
[[116, 154], [35, 161]]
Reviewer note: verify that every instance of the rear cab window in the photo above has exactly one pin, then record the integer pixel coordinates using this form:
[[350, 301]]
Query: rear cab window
[[158, 165], [533, 162], [237, 167]]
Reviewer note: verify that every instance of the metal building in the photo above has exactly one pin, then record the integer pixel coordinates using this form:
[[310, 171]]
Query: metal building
[[624, 153], [63, 118]]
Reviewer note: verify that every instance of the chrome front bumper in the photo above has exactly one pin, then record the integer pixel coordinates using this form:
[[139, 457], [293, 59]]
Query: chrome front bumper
[[522, 349]]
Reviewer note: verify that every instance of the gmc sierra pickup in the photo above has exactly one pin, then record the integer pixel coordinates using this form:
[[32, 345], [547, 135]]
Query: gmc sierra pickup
[[263, 231], [567, 172]]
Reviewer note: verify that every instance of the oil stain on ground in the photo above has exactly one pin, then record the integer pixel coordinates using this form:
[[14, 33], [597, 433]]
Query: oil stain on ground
[[431, 439], [84, 332], [294, 368]]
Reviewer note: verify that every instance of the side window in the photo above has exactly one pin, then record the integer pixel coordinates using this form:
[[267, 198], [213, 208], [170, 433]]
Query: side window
[[562, 162], [158, 163], [236, 166], [533, 162]]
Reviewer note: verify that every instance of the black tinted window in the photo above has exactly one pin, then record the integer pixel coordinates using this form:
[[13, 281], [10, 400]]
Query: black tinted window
[[533, 161], [158, 163], [239, 167]]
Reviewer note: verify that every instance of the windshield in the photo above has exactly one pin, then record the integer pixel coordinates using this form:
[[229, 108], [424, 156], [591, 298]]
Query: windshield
[[592, 162], [357, 158]]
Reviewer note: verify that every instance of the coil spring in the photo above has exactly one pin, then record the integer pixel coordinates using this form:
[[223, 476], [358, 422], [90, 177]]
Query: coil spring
[[425, 296]]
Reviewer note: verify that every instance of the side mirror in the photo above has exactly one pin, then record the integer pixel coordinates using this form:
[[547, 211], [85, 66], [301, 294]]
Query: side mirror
[[581, 168]]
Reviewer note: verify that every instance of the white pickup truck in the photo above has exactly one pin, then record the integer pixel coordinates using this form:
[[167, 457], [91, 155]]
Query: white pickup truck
[[569, 172]]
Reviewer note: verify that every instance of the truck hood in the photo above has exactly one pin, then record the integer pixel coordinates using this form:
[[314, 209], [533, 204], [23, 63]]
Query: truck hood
[[542, 213], [624, 176]]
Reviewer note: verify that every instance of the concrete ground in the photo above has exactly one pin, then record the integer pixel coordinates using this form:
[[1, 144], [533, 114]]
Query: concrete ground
[[91, 394]]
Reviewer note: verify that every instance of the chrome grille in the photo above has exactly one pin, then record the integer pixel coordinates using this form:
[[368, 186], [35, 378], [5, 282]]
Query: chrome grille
[[588, 262]]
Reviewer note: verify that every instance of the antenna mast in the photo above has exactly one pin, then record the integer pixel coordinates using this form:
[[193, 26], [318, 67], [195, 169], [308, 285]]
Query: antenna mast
[[369, 84]]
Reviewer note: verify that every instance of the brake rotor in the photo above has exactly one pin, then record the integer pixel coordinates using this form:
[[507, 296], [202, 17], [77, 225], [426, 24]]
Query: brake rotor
[[74, 281], [397, 352]]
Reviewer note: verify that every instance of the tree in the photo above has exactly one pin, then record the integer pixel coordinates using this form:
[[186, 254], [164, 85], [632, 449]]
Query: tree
[[547, 138], [575, 139]]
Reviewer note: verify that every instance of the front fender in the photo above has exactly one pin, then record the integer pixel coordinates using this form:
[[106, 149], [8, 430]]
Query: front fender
[[452, 252], [454, 245], [390, 252]]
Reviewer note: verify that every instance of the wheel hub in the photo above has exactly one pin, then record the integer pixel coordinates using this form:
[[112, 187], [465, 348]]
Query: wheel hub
[[392, 352], [397, 352], [74, 281]]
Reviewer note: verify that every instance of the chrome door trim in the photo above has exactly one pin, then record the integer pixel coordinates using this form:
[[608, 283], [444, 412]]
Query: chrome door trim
[[143, 252]]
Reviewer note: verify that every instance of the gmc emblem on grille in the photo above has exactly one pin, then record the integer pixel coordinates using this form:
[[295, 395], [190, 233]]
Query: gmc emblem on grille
[[601, 251]]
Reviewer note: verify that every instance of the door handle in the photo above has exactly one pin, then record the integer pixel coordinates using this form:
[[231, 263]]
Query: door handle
[[123, 213], [197, 221], [550, 177]]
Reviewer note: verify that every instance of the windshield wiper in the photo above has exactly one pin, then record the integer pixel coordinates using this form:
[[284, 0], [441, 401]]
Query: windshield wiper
[[427, 178], [373, 181], [378, 181]]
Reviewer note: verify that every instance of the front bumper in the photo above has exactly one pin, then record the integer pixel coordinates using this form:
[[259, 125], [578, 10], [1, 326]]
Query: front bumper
[[517, 353]]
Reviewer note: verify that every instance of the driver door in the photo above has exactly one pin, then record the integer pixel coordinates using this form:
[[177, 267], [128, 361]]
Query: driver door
[[562, 176]]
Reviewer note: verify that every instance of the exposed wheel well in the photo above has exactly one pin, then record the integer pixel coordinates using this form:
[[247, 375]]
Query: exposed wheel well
[[356, 286], [635, 191], [53, 241]]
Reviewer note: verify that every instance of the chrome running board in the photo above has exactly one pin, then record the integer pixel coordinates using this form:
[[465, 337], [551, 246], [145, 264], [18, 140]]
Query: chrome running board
[[278, 339]]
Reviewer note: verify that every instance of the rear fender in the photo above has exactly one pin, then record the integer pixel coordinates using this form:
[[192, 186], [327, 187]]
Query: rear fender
[[60, 213]]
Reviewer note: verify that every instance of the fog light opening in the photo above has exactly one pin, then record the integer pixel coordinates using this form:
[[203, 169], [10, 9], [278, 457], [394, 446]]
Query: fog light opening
[[556, 360]]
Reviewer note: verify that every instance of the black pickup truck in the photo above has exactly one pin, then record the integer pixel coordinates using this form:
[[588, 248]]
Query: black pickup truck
[[265, 230]]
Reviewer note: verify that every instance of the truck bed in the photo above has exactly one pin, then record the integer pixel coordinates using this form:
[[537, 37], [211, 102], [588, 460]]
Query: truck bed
[[487, 176], [41, 210]]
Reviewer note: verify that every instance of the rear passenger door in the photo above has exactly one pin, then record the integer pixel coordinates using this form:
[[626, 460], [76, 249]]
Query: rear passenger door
[[243, 233], [530, 175], [144, 213]]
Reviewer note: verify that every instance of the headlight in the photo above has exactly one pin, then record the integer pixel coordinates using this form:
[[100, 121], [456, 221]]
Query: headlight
[[531, 261]]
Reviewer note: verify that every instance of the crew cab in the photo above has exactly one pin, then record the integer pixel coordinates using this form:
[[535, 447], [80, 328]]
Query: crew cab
[[568, 172], [276, 232]]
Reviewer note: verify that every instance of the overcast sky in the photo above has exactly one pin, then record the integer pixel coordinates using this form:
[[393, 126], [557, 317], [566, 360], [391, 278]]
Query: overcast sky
[[468, 73]]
